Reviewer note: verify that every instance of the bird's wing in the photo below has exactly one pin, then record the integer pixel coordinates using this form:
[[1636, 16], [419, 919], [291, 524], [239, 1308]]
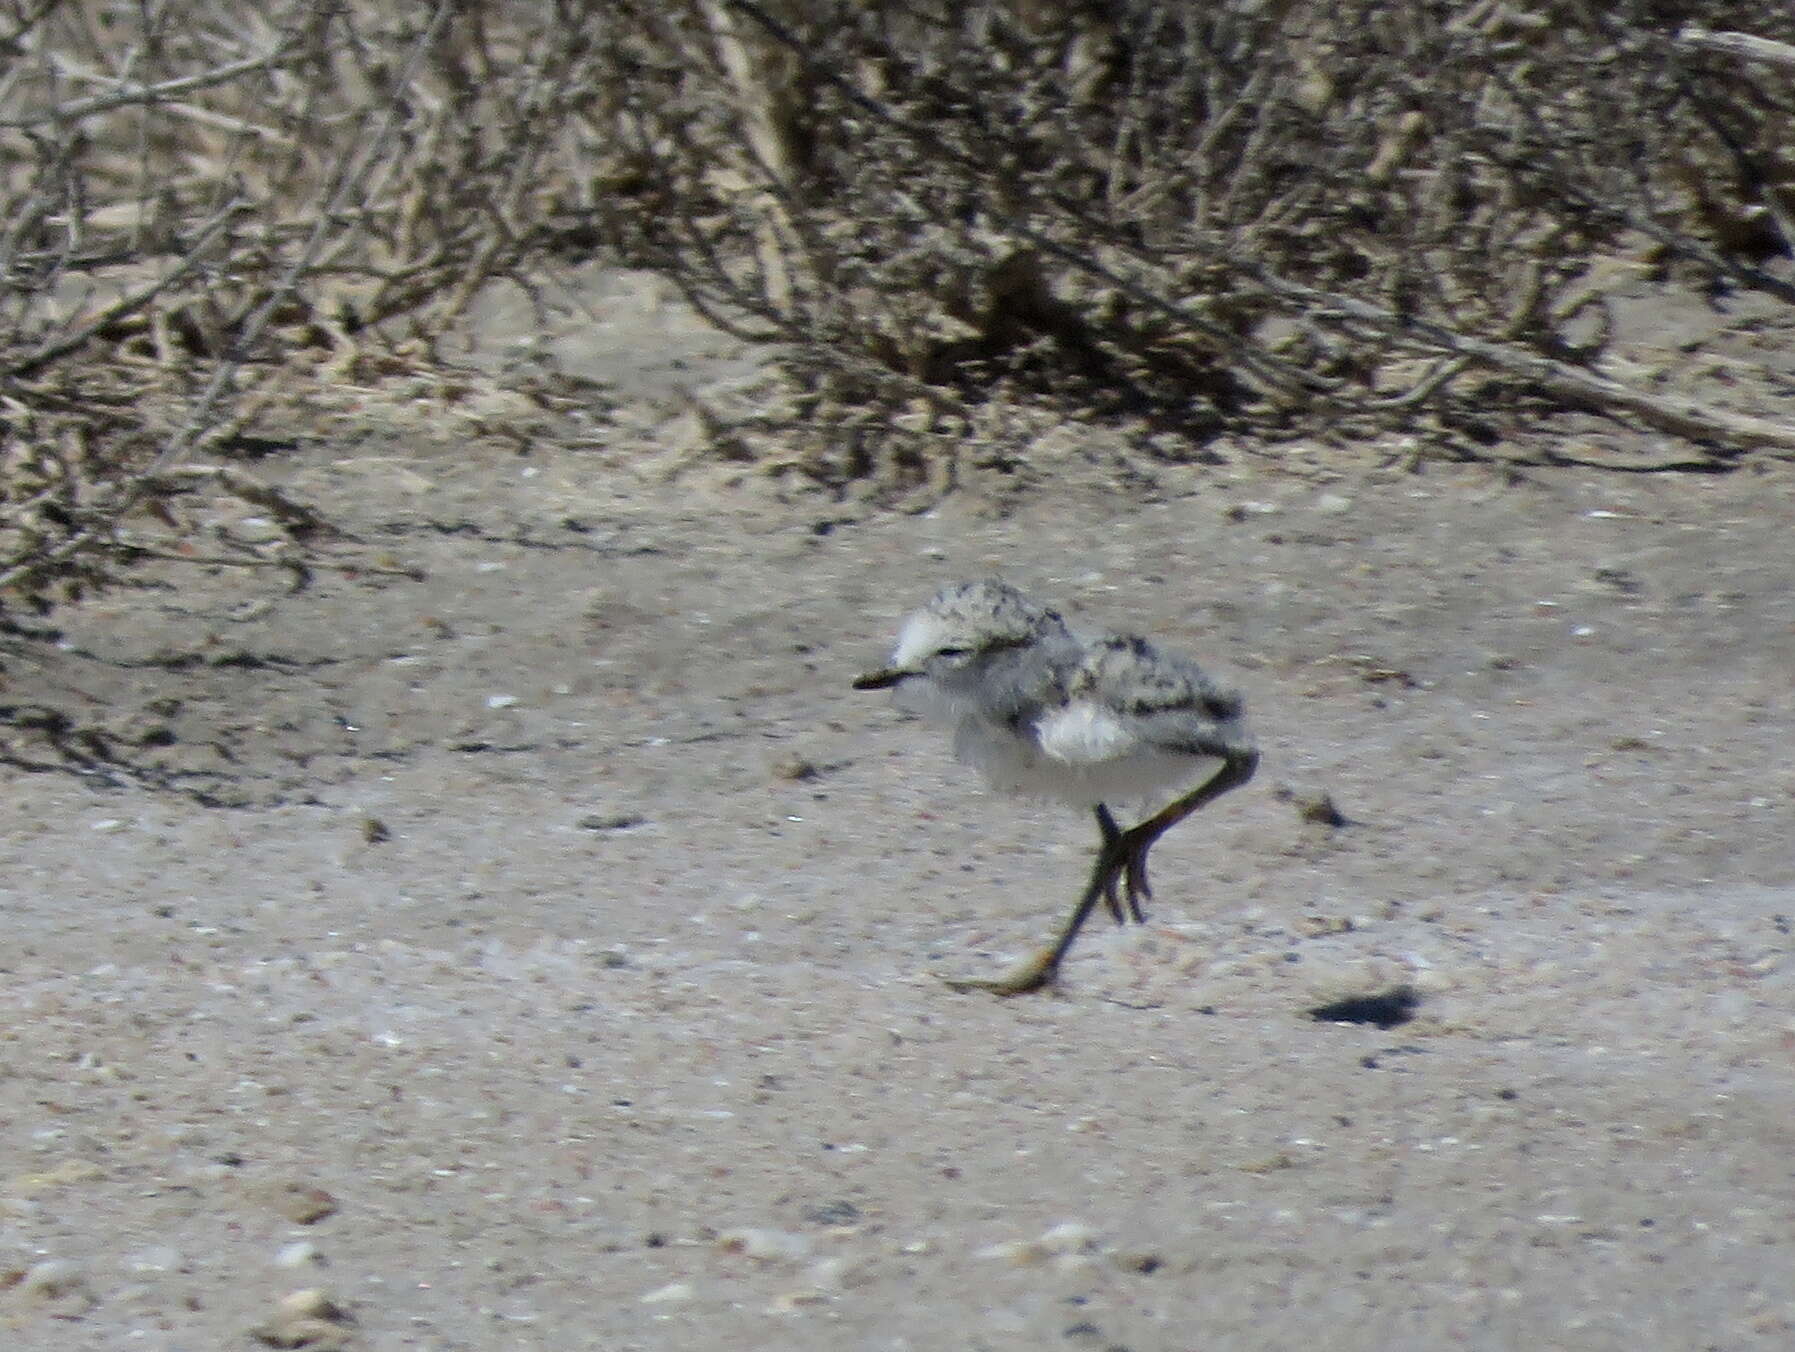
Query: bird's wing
[[1160, 702]]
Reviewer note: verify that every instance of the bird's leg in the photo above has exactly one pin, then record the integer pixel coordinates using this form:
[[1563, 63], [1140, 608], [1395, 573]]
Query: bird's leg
[[1043, 966], [1124, 855], [1112, 835], [1237, 768]]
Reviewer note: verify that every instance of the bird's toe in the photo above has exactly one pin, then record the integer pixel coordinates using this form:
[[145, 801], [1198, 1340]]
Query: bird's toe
[[1036, 972]]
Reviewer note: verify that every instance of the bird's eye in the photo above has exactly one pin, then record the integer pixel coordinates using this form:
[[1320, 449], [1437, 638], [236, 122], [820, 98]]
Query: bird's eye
[[952, 652]]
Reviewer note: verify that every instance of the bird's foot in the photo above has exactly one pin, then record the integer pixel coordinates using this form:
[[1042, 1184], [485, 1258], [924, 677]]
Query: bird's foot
[[1125, 889], [1036, 972], [1112, 898], [1134, 871]]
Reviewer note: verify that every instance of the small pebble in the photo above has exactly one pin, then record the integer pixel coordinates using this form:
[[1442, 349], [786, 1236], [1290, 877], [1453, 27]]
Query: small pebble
[[795, 769], [300, 1253], [787, 1301], [1069, 1239], [1240, 511], [611, 821], [841, 1212], [765, 1246], [1143, 1261], [664, 1295], [306, 1318], [52, 1278], [310, 1302], [63, 1175], [161, 1258], [301, 1203], [1315, 806]]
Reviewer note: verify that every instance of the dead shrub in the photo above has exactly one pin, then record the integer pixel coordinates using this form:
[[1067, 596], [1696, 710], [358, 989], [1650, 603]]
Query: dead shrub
[[216, 217], [965, 226], [1272, 218]]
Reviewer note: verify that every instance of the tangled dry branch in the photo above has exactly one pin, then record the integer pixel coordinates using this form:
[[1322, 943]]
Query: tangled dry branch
[[1267, 217], [210, 212], [960, 223]]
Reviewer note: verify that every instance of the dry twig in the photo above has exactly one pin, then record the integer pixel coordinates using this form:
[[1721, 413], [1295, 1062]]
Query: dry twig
[[1264, 220]]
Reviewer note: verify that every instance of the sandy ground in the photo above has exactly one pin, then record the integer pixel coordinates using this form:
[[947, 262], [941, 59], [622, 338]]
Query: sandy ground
[[544, 955]]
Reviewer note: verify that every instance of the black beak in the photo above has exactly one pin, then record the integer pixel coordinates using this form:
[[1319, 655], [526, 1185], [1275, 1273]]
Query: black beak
[[879, 680]]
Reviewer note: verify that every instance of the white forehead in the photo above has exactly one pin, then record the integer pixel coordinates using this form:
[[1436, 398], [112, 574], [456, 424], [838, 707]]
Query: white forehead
[[923, 633]]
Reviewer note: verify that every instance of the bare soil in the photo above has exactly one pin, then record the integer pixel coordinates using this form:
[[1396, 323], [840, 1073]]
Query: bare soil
[[544, 955]]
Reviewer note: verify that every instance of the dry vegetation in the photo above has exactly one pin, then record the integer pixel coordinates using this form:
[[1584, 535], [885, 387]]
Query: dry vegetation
[[1257, 218], [961, 223], [222, 219]]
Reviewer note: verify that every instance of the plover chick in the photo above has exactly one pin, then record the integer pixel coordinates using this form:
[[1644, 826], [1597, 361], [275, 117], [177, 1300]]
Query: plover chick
[[1087, 721]]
